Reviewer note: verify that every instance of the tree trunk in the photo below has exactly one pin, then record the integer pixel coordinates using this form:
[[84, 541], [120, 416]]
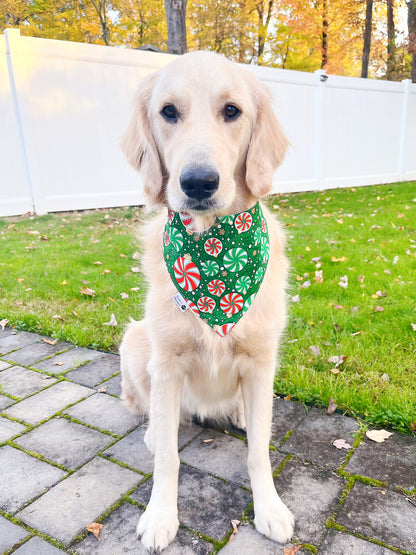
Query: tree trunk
[[263, 26], [391, 45], [367, 38], [324, 35], [411, 23], [101, 9], [175, 18]]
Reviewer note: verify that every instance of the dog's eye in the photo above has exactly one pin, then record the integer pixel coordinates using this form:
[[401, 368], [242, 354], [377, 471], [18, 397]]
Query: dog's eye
[[170, 113], [231, 112]]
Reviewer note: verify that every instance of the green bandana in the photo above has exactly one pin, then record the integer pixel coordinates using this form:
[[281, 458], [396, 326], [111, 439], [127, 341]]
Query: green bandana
[[218, 272]]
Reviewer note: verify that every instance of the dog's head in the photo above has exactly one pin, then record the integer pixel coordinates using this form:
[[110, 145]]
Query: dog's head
[[204, 136]]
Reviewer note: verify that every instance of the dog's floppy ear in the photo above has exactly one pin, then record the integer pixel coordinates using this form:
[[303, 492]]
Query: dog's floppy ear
[[267, 146], [139, 146]]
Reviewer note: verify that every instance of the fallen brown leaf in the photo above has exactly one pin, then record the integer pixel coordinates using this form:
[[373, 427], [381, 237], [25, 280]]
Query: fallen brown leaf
[[291, 550], [95, 528], [379, 436], [379, 309], [332, 407], [112, 322], [341, 444], [234, 524], [50, 341], [87, 291]]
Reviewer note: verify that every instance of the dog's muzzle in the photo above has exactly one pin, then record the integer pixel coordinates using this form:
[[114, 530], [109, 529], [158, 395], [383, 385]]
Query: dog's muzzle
[[199, 183]]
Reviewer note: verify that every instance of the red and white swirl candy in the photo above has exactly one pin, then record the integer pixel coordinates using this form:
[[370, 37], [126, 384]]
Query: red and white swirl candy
[[192, 306], [186, 273], [206, 304], [216, 287], [187, 221], [213, 246], [243, 222], [224, 329], [231, 303]]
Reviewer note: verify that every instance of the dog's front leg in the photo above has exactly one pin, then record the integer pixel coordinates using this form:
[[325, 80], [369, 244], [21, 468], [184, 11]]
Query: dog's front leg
[[159, 523], [271, 516]]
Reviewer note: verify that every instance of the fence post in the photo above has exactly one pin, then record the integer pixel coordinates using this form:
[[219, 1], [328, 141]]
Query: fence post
[[321, 77], [17, 76], [403, 126]]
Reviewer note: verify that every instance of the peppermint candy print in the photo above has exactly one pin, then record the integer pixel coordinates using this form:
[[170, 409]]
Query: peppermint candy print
[[213, 246], [186, 273], [171, 215], [166, 238], [216, 287], [176, 238], [249, 302], [224, 329], [265, 248], [242, 285], [235, 259], [243, 222], [258, 275], [210, 268], [263, 225], [192, 306], [231, 304], [187, 221], [258, 235], [206, 304], [227, 220]]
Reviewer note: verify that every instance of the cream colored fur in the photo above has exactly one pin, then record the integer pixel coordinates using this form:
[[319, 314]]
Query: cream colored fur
[[173, 364]]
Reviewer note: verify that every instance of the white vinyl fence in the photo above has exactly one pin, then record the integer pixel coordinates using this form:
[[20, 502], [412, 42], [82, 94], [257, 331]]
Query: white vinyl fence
[[64, 106]]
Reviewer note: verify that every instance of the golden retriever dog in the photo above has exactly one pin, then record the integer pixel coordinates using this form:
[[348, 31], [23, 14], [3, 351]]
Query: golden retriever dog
[[206, 140]]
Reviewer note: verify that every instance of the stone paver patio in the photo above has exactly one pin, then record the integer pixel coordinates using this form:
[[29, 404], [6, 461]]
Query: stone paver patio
[[71, 454]]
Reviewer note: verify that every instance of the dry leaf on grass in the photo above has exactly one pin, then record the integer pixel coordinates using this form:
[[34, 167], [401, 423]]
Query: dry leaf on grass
[[332, 407], [378, 436], [112, 322], [87, 291], [291, 550], [316, 351], [341, 444], [95, 528]]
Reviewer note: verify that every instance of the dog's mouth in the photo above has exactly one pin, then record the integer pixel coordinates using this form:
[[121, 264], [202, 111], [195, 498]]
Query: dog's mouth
[[206, 206]]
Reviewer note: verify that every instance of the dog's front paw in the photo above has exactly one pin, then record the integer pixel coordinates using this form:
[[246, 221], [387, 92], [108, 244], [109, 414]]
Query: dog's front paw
[[275, 521], [157, 528]]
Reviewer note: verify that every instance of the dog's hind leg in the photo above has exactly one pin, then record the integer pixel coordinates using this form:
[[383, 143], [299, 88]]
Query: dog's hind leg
[[135, 353]]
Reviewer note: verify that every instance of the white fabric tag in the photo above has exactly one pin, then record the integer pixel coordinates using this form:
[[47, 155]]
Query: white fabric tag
[[180, 302]]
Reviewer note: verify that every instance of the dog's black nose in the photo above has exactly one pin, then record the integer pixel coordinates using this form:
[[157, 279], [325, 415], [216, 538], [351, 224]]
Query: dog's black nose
[[200, 182]]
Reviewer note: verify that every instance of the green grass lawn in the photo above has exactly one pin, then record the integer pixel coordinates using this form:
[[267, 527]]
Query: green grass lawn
[[363, 238]]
